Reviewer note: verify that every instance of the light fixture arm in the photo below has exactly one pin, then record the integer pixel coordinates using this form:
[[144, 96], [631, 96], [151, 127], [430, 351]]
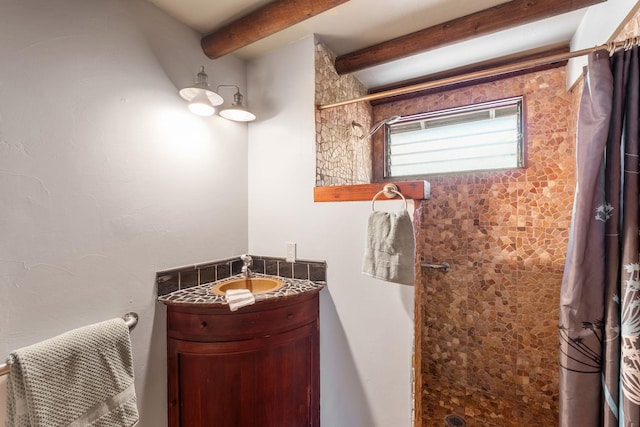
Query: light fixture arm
[[219, 86], [237, 97]]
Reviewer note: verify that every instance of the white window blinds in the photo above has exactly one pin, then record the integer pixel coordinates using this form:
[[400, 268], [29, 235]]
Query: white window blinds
[[480, 137]]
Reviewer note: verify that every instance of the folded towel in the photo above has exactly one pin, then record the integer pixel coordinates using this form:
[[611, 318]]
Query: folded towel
[[237, 298], [390, 247], [83, 377]]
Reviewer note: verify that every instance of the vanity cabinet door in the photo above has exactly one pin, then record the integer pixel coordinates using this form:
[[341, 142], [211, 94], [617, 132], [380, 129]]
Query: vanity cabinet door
[[271, 380], [264, 382]]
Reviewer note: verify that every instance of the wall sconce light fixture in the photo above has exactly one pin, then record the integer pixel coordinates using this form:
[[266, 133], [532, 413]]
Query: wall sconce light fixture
[[238, 111], [202, 100]]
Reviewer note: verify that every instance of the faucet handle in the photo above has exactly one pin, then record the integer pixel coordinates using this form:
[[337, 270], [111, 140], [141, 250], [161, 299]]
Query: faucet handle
[[246, 259]]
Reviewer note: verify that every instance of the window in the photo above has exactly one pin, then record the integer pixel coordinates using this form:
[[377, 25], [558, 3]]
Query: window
[[484, 136]]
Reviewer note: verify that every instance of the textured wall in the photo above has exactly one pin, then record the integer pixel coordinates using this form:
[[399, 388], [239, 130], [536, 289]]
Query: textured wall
[[488, 328], [105, 176], [342, 158]]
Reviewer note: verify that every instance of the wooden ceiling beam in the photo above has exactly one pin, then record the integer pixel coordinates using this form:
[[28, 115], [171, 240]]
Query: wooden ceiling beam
[[263, 22], [501, 17], [537, 53]]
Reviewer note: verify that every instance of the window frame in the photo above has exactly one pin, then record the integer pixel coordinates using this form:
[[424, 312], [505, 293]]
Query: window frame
[[380, 144]]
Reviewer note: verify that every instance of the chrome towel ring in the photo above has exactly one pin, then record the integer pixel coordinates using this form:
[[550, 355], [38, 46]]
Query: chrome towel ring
[[390, 191]]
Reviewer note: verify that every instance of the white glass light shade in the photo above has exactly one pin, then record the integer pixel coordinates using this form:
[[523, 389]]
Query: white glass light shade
[[191, 92], [201, 99], [238, 112], [201, 105]]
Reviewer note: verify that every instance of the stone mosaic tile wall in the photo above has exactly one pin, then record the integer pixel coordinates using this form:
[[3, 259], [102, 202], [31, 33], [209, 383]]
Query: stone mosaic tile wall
[[342, 158], [487, 330]]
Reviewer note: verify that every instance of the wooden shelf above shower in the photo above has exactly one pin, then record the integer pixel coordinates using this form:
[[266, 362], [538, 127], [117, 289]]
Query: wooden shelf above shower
[[416, 190]]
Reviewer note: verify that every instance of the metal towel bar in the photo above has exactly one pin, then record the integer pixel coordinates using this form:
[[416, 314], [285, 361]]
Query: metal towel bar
[[445, 266], [131, 319]]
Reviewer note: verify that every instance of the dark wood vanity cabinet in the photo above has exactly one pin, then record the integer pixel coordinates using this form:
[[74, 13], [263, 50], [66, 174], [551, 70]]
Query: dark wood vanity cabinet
[[258, 366]]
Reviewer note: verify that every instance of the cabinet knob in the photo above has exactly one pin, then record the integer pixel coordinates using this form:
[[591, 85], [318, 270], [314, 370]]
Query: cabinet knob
[[203, 324], [289, 316]]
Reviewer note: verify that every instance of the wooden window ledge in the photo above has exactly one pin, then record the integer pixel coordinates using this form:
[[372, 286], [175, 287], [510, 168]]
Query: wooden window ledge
[[416, 190]]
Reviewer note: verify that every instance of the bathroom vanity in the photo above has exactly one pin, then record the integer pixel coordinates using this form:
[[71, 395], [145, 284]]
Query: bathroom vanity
[[258, 366]]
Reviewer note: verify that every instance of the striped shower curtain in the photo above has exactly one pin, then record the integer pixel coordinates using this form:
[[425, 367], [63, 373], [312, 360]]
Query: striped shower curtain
[[599, 326]]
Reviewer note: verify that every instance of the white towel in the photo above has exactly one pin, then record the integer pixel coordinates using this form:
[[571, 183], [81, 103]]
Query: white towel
[[237, 298], [390, 247], [83, 377]]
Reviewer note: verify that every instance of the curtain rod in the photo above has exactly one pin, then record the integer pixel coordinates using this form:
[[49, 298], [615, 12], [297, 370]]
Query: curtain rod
[[517, 66]]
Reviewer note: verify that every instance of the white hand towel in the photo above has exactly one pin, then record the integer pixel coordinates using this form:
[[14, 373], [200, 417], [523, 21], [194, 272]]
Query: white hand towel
[[390, 247], [237, 298], [83, 377]]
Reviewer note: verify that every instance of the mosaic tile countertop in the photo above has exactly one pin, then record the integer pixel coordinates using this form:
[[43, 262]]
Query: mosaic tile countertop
[[202, 294]]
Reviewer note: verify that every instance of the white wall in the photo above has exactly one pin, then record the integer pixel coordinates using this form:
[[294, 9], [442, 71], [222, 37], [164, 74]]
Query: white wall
[[105, 177], [597, 27], [366, 324]]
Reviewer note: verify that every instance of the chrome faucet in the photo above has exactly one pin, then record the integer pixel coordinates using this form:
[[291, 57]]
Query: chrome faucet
[[246, 263]]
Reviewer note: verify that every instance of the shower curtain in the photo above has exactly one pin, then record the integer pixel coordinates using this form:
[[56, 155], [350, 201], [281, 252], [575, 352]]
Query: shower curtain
[[599, 326]]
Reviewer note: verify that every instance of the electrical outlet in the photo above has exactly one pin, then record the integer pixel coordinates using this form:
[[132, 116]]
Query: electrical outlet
[[291, 251]]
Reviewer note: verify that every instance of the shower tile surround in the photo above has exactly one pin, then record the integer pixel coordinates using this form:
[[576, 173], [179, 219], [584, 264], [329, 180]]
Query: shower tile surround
[[190, 276], [487, 330]]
